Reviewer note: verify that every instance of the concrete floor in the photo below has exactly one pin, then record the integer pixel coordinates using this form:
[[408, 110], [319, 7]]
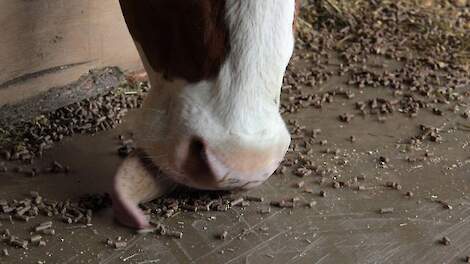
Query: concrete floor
[[344, 227]]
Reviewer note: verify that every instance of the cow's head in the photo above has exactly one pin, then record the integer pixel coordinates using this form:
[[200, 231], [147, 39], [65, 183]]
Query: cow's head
[[211, 120]]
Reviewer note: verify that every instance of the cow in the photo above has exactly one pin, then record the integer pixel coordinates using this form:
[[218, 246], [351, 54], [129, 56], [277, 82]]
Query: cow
[[211, 120]]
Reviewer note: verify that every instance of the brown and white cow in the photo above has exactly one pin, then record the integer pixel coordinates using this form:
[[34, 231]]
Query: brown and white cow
[[211, 120]]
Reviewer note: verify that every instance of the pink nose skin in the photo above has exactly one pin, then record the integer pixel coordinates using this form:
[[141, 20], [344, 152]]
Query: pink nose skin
[[226, 169]]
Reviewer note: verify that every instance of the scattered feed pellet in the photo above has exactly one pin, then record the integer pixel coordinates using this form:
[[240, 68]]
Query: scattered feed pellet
[[311, 204], [265, 210], [223, 235], [254, 198], [445, 241], [237, 201], [120, 244], [35, 239], [174, 234], [387, 210]]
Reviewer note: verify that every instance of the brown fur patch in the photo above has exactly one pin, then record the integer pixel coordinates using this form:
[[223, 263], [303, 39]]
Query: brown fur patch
[[185, 39]]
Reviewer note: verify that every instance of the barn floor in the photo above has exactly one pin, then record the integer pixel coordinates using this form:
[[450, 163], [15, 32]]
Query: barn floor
[[345, 226], [428, 201]]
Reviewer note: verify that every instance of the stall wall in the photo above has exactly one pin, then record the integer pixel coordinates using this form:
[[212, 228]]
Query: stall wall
[[51, 43]]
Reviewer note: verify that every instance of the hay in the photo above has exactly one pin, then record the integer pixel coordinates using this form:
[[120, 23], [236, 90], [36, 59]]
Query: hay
[[427, 27]]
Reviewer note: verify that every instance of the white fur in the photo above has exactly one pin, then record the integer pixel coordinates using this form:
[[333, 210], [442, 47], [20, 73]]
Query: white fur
[[237, 110]]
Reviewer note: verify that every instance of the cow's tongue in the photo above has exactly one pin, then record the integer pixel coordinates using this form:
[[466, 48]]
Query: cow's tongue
[[128, 213], [134, 183]]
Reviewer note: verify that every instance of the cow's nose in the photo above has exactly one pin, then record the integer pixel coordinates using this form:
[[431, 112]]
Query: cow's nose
[[227, 166]]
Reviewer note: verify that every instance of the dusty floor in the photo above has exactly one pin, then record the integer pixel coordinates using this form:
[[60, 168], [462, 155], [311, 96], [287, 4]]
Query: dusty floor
[[344, 226]]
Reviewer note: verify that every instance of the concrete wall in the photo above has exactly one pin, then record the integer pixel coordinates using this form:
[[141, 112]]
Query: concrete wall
[[51, 43]]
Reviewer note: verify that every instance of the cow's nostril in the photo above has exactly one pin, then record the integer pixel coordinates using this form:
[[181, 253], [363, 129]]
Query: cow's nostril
[[196, 159]]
